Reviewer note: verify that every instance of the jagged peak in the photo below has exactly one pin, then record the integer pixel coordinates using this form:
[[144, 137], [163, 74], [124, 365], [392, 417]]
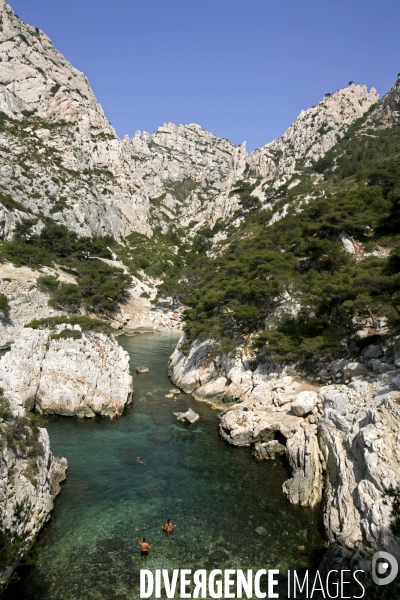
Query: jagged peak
[[40, 77], [314, 132]]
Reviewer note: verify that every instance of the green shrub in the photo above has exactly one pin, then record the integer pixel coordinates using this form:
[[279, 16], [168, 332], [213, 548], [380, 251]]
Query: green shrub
[[4, 305], [86, 323], [54, 89], [99, 286], [66, 334], [47, 283], [5, 411]]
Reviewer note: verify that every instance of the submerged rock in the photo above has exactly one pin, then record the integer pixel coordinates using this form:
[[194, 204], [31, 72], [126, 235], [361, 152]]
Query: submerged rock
[[189, 416], [142, 369], [83, 376]]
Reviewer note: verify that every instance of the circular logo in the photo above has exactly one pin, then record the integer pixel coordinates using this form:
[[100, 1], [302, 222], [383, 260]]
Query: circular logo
[[384, 568]]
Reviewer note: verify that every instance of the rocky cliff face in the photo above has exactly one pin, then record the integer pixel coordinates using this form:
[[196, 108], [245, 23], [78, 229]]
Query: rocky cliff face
[[341, 440], [388, 111], [29, 481], [67, 372], [25, 300], [314, 132], [61, 157], [56, 130]]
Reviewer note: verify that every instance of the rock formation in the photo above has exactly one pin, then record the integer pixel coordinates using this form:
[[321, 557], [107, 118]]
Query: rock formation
[[71, 166], [341, 440], [26, 303], [190, 416], [67, 371], [314, 132], [29, 481]]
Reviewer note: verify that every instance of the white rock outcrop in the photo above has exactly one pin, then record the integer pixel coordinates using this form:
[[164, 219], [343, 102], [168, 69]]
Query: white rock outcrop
[[314, 132], [304, 403], [67, 376], [190, 416], [29, 481], [71, 165], [359, 432], [341, 441]]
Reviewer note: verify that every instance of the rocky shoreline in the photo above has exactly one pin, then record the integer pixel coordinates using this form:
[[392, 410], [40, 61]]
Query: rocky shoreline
[[60, 370], [341, 440], [29, 481]]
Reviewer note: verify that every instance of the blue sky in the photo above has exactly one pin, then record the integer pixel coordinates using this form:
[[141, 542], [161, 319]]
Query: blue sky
[[242, 69]]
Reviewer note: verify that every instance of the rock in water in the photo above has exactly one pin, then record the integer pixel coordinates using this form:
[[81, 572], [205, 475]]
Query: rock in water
[[189, 416], [142, 369], [67, 376], [268, 450]]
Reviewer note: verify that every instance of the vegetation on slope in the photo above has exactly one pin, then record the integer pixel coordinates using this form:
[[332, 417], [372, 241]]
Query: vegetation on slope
[[99, 285], [238, 294]]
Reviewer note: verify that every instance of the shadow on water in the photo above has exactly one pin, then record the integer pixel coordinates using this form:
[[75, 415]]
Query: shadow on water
[[230, 510]]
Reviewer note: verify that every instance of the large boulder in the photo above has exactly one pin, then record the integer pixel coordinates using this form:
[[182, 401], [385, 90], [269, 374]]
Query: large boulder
[[304, 403], [67, 371], [354, 369]]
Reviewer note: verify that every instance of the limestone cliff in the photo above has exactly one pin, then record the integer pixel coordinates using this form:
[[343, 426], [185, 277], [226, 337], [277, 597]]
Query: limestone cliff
[[25, 300], [314, 132], [341, 440], [388, 111], [61, 157], [67, 371], [29, 481]]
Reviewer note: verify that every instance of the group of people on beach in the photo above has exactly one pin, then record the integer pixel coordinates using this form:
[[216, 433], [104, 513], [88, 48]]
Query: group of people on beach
[[145, 546]]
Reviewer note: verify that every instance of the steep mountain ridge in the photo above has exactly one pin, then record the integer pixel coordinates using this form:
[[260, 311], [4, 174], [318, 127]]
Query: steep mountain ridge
[[61, 158], [314, 132], [266, 289], [388, 111]]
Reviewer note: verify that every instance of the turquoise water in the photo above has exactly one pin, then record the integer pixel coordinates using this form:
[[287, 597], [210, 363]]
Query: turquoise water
[[218, 496]]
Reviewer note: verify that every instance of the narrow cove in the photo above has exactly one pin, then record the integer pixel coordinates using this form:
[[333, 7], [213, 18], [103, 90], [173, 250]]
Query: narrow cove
[[230, 510]]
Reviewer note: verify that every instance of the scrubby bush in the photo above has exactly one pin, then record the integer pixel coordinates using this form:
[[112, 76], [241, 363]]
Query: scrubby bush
[[86, 323], [99, 286], [4, 305]]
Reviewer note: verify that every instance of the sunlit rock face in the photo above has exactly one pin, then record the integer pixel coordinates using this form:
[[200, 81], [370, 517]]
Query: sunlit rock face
[[84, 375], [29, 481], [314, 132], [70, 164]]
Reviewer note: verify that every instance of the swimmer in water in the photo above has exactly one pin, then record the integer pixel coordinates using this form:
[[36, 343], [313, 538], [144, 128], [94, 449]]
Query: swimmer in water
[[168, 527], [140, 461], [145, 546]]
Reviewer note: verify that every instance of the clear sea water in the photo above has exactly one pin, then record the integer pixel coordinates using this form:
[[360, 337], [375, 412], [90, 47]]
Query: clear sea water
[[217, 495]]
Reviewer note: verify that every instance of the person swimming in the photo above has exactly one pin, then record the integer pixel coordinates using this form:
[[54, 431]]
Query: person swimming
[[140, 461], [168, 527], [145, 546]]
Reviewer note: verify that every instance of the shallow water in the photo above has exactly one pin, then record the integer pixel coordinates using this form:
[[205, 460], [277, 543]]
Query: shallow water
[[218, 496]]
